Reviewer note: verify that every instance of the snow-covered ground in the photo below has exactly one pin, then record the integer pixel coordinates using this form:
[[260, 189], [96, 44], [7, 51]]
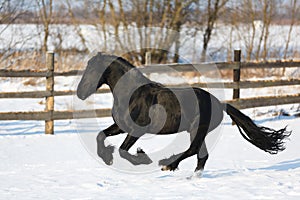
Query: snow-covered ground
[[61, 166], [38, 166]]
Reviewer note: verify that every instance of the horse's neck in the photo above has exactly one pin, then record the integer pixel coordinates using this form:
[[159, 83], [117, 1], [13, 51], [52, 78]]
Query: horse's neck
[[125, 80], [114, 77]]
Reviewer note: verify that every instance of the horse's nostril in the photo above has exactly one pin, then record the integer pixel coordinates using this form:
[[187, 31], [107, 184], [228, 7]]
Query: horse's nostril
[[83, 97]]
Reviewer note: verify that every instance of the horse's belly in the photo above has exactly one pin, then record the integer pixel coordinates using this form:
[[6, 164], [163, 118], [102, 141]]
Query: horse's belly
[[173, 124]]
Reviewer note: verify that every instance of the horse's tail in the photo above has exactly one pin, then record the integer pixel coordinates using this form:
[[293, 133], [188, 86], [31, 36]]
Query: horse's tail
[[266, 139]]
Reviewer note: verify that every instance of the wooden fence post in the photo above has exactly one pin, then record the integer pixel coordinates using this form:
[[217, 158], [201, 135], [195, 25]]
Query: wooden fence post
[[49, 123], [237, 73], [148, 58]]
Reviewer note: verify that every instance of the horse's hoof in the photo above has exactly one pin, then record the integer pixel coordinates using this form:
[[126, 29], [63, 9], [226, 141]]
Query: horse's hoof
[[106, 154], [169, 168], [165, 168], [167, 165], [169, 161], [198, 173], [108, 162]]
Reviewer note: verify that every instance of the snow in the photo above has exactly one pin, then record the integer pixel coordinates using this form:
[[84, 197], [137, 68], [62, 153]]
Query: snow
[[38, 166]]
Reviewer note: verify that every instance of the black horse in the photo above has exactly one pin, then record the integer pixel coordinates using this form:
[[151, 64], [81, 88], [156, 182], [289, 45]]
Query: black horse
[[143, 106]]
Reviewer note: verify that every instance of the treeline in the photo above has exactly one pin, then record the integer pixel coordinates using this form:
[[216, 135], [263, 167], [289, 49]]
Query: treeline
[[89, 11]]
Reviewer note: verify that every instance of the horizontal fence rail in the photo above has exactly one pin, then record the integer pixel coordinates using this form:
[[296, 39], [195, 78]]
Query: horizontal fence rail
[[236, 66], [56, 115], [62, 115], [226, 85], [264, 101], [161, 68]]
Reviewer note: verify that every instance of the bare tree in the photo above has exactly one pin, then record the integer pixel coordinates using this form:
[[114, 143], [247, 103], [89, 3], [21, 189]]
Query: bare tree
[[45, 11], [158, 27], [269, 8], [181, 13], [250, 11], [267, 13], [102, 19], [10, 12], [76, 24], [293, 9], [213, 9]]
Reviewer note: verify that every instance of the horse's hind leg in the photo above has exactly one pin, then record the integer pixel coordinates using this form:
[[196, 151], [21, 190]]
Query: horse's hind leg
[[202, 157], [173, 162], [106, 152], [202, 153], [140, 158], [197, 139]]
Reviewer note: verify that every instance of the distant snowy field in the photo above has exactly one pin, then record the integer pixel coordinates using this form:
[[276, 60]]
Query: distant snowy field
[[223, 41], [38, 166]]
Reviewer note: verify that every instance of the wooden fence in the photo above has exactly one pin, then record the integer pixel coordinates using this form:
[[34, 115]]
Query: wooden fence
[[49, 114]]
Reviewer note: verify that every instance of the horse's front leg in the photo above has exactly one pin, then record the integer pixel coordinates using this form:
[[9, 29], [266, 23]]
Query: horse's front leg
[[105, 153], [140, 158]]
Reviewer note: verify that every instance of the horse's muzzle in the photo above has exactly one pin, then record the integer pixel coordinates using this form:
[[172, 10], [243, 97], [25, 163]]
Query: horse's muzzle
[[81, 96]]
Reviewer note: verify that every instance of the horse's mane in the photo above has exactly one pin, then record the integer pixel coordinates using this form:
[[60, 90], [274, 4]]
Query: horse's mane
[[125, 65], [115, 59]]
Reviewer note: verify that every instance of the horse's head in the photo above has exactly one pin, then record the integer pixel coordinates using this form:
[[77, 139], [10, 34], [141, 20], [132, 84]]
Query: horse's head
[[93, 77]]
